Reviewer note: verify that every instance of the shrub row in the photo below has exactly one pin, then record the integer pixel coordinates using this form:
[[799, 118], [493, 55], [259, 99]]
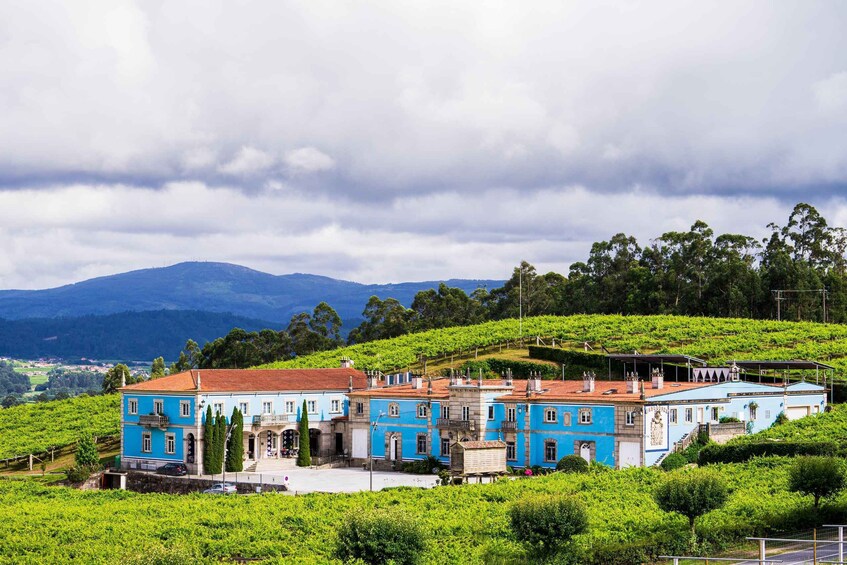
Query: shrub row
[[740, 452], [573, 360], [520, 369]]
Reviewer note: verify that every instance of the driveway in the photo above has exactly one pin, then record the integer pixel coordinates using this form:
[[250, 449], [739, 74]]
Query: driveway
[[303, 480]]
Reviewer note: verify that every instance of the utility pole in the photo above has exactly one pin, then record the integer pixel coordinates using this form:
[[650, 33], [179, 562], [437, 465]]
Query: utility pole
[[520, 301], [779, 297]]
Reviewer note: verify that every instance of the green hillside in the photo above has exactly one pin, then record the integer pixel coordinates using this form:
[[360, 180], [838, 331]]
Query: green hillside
[[34, 428], [713, 339]]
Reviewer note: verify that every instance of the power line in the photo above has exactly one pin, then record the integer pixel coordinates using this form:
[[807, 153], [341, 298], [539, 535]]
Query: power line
[[778, 296]]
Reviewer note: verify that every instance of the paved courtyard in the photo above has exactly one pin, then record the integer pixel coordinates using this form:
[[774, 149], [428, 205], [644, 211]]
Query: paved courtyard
[[349, 479]]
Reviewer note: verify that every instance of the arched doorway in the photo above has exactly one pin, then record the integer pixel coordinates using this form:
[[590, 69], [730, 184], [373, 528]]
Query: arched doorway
[[314, 442], [251, 447], [270, 444], [290, 442], [189, 449], [585, 452]]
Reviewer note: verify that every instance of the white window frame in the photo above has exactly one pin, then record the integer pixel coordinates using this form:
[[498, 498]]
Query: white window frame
[[754, 412], [218, 409], [418, 440], [510, 413], [312, 406], [491, 412], [547, 444], [132, 406], [630, 417], [146, 442], [466, 413], [393, 410], [511, 451], [445, 411], [767, 414], [170, 443], [550, 416], [585, 416], [360, 408], [445, 442], [689, 415], [716, 413], [423, 411], [290, 407], [267, 407], [244, 407], [185, 408], [158, 406], [335, 405], [673, 416]]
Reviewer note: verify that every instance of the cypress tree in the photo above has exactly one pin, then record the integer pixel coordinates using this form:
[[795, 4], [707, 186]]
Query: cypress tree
[[304, 456], [208, 441], [235, 447], [220, 442]]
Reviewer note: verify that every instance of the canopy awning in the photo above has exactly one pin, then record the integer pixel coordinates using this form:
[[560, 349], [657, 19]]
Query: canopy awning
[[796, 364], [672, 359]]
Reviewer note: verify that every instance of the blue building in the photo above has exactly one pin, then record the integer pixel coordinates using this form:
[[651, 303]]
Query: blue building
[[162, 419], [618, 423]]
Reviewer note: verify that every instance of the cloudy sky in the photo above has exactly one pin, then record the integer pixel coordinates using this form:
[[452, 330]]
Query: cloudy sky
[[387, 141]]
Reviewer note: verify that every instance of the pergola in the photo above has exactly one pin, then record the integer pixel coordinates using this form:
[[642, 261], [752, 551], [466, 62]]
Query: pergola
[[785, 367], [676, 360]]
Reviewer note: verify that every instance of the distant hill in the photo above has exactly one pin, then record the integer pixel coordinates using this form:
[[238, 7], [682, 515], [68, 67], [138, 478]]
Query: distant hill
[[129, 336], [211, 287]]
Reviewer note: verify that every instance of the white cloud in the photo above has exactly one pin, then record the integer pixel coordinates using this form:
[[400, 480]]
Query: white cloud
[[308, 160], [248, 160]]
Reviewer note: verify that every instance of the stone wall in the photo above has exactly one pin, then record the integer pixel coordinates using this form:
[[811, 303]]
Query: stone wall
[[722, 433], [150, 482]]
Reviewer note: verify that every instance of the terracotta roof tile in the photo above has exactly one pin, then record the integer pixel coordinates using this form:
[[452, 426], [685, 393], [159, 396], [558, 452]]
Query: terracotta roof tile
[[253, 380]]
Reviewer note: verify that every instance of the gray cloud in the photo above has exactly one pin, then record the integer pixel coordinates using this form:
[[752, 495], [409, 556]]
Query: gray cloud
[[397, 140]]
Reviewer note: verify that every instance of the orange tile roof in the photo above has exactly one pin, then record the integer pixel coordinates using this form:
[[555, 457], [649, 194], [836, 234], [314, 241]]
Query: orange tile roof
[[439, 390], [253, 380]]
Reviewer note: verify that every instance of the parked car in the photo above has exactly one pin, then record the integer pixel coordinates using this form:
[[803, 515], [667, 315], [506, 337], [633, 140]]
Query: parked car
[[221, 488], [175, 469]]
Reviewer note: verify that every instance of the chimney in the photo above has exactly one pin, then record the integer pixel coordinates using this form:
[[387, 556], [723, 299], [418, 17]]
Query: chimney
[[588, 381], [346, 363], [479, 382], [452, 378], [528, 388], [658, 378], [631, 383], [417, 381], [373, 379], [123, 379], [429, 386], [509, 378], [350, 384], [536, 382], [198, 380]]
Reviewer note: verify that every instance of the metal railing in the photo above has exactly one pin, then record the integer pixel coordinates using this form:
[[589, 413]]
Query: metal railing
[[447, 423], [273, 419], [154, 420], [508, 426]]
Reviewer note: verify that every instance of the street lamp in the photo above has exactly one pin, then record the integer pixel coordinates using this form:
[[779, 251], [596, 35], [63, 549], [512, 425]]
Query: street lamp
[[371, 448]]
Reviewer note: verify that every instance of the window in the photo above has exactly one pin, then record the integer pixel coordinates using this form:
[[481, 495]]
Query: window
[[510, 414], [335, 405], [132, 406], [689, 415], [466, 413], [146, 442], [549, 415], [394, 410], [360, 408], [550, 451], [267, 407], [218, 408], [170, 444], [244, 408], [511, 452], [585, 415], [630, 417], [716, 414], [312, 406], [445, 447], [421, 443], [490, 412], [289, 407], [672, 416], [753, 410], [767, 414], [158, 407], [422, 411], [185, 408], [445, 412], [566, 418]]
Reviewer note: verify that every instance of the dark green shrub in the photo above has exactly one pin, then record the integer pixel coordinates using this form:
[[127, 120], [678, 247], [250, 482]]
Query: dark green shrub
[[86, 452], [380, 538], [728, 420], [691, 494], [575, 361], [781, 418], [79, 473], [674, 461], [546, 523], [304, 455], [572, 464], [423, 467], [819, 476], [740, 452]]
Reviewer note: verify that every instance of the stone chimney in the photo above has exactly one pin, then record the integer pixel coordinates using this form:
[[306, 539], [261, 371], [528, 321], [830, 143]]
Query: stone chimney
[[479, 382], [346, 363], [509, 378], [350, 384], [631, 383], [417, 381], [658, 378], [373, 379], [588, 381], [123, 379], [198, 380], [536, 381], [528, 388], [429, 386], [453, 378]]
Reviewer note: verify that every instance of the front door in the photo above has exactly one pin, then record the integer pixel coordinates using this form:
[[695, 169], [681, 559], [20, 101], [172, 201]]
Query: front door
[[585, 452], [251, 447]]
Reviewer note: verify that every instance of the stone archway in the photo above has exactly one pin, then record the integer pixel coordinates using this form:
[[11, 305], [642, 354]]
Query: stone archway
[[314, 442], [190, 447]]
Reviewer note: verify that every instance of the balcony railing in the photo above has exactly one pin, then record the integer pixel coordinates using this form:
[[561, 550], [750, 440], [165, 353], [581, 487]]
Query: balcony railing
[[448, 424], [508, 426], [273, 419], [153, 420]]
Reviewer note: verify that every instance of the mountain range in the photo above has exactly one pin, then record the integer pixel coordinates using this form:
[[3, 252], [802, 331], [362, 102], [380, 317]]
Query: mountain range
[[234, 294]]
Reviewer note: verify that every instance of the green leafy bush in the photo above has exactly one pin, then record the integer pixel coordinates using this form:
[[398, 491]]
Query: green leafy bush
[[674, 461], [733, 452], [545, 523], [781, 419], [820, 477], [380, 538], [692, 494], [572, 464], [86, 452], [80, 473], [423, 466], [728, 420]]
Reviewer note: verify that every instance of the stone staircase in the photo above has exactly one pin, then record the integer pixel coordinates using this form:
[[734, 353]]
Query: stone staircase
[[271, 465]]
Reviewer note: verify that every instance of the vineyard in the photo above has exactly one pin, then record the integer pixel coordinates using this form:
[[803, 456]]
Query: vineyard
[[35, 428], [827, 427], [466, 524], [713, 339]]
